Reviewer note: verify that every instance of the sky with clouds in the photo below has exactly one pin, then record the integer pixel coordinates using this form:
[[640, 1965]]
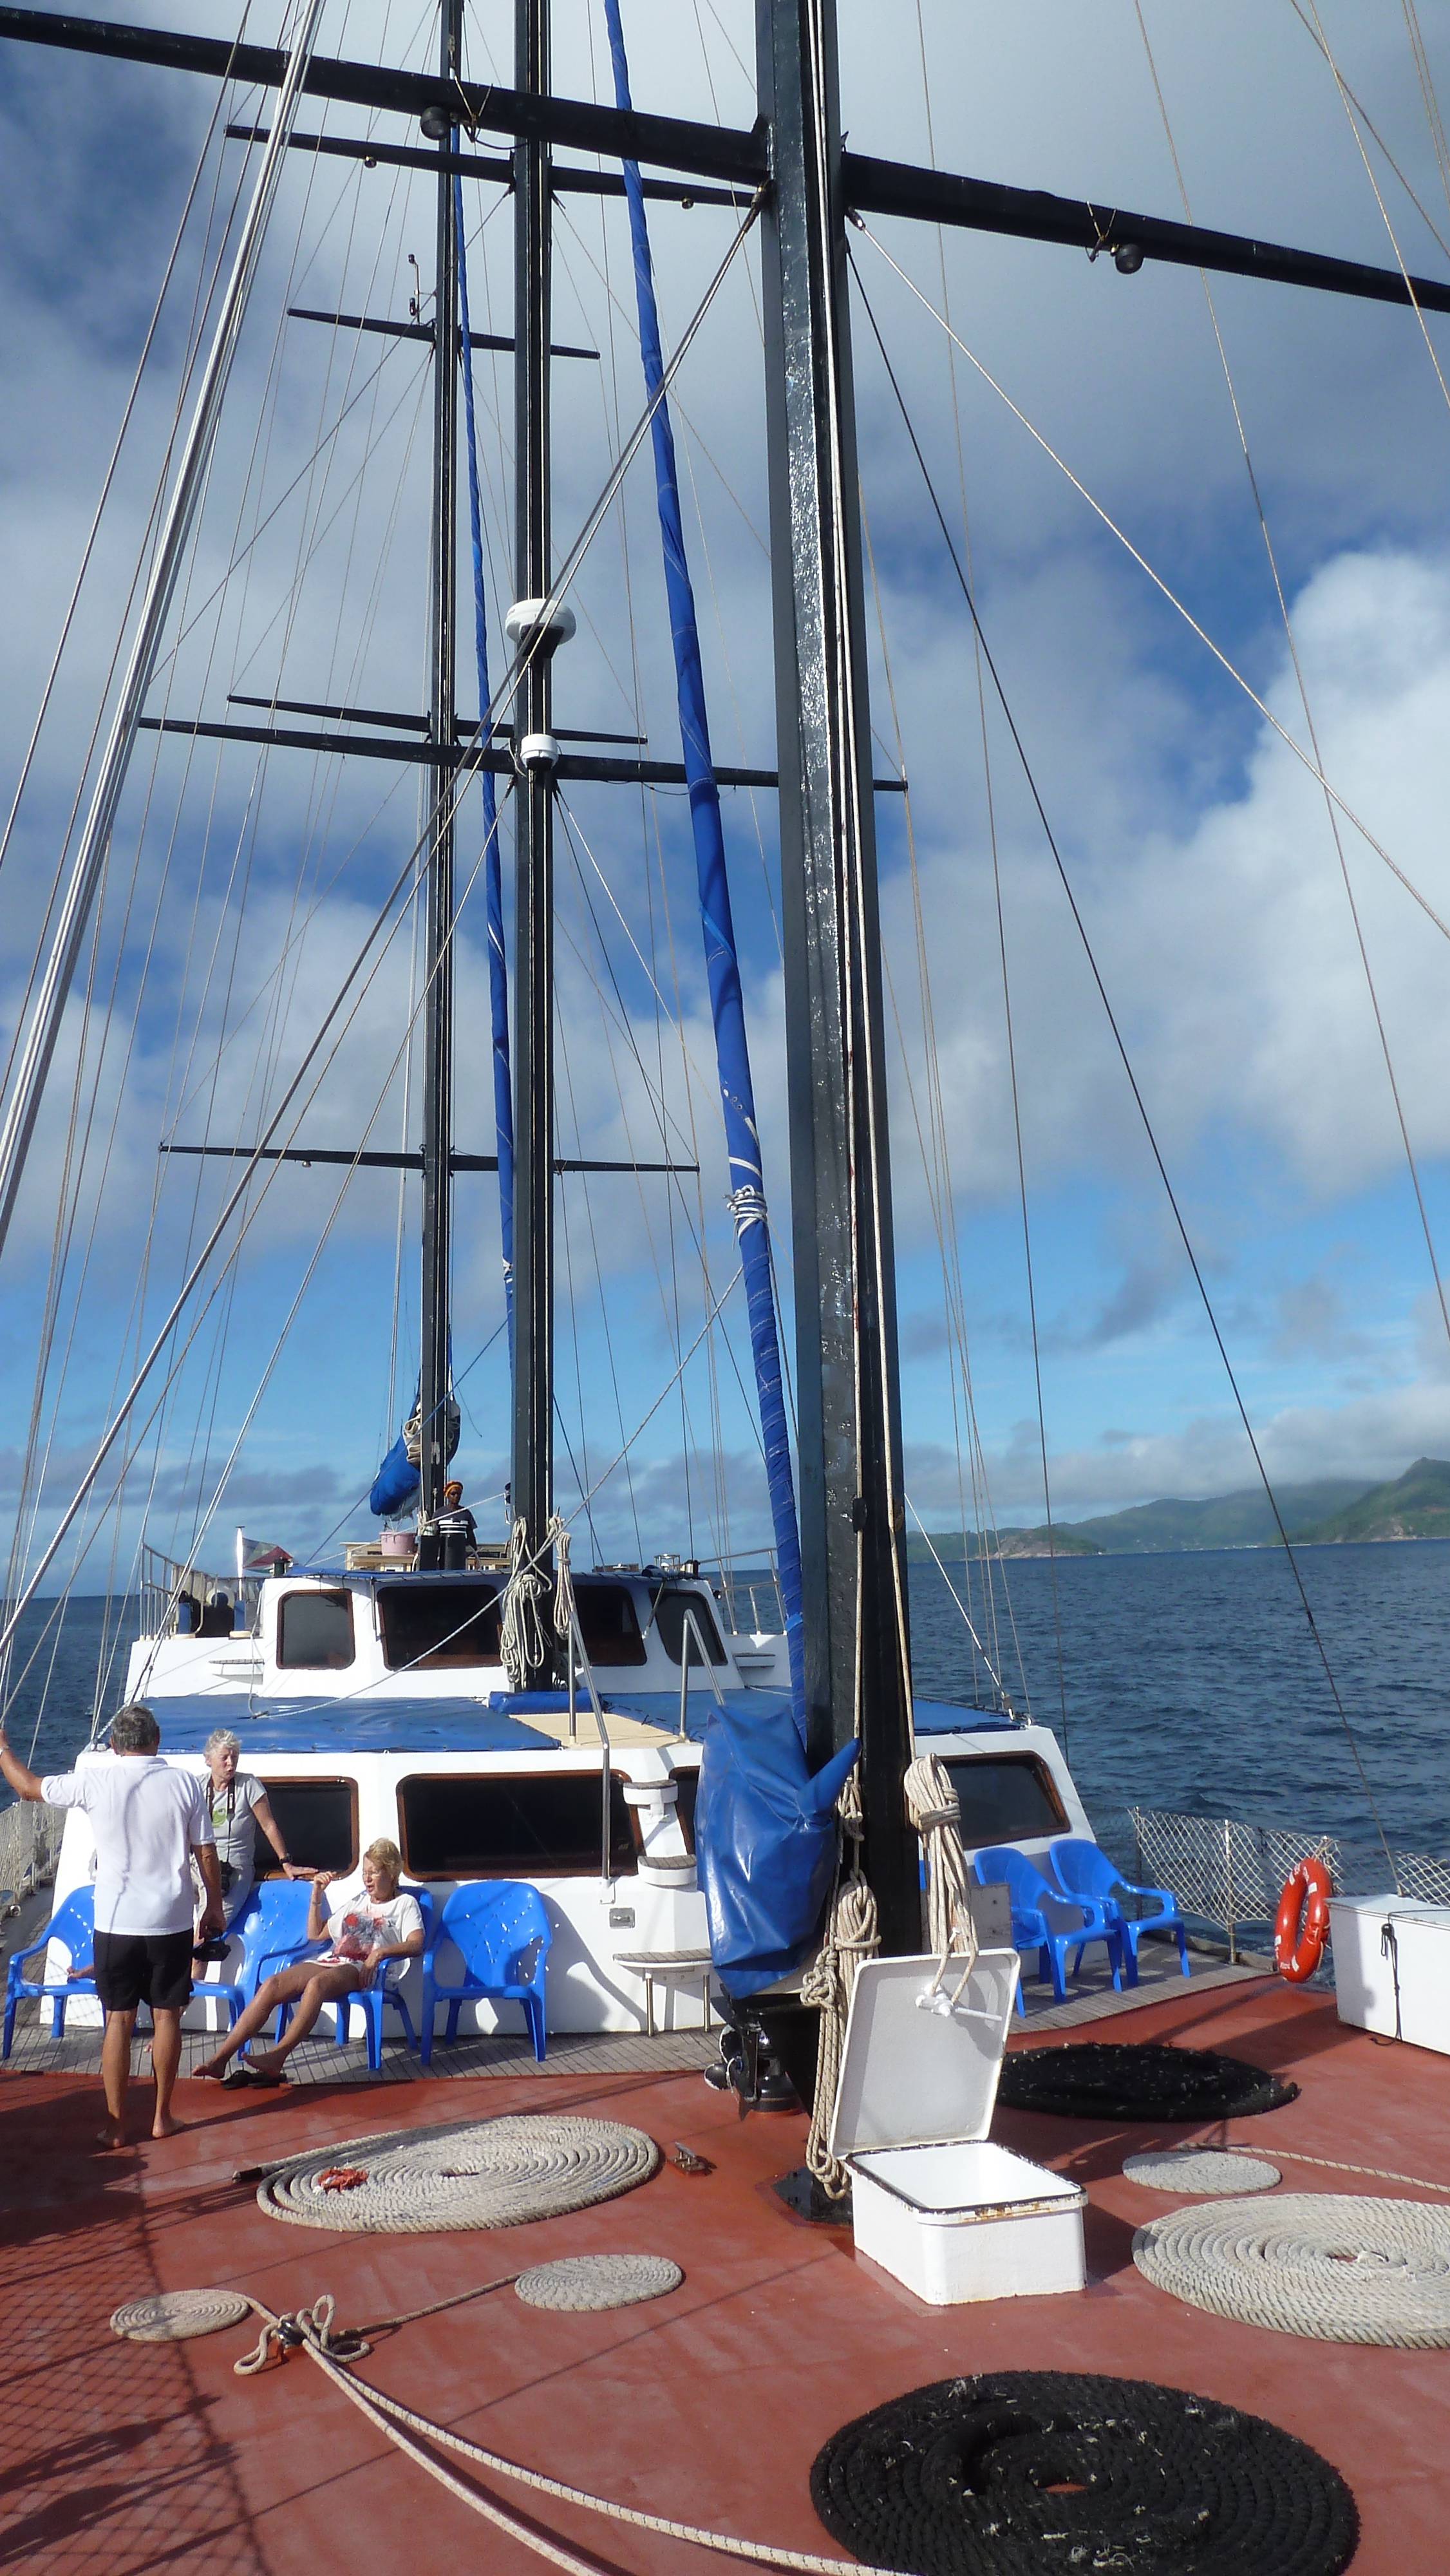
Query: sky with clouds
[[1224, 917]]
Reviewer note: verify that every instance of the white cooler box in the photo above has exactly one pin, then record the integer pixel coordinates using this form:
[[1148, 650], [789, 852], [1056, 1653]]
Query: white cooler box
[[1367, 1965], [936, 2203]]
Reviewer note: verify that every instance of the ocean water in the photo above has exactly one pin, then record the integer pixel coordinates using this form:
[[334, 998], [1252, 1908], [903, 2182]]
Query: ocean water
[[1193, 1681], [1189, 1681]]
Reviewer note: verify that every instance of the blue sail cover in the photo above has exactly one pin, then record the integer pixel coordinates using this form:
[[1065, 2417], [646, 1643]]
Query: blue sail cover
[[742, 1141], [498, 989], [765, 1840], [395, 1487]]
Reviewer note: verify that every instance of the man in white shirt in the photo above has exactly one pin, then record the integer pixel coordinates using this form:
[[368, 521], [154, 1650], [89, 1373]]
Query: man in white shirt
[[149, 1821], [365, 1921]]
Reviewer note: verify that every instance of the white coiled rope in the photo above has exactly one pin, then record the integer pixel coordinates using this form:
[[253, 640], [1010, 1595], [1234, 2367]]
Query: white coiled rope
[[852, 1934], [935, 1810], [479, 2173], [1310, 2263], [521, 1631]]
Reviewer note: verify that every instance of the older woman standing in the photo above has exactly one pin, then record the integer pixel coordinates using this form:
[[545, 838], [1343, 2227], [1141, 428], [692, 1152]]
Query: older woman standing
[[238, 1804]]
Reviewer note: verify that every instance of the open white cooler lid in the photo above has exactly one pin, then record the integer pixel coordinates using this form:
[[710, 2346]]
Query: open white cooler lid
[[913, 2077]]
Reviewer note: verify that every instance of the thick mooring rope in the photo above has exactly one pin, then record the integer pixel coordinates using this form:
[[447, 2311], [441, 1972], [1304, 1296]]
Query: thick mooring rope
[[852, 1934], [1328, 2264], [311, 2330]]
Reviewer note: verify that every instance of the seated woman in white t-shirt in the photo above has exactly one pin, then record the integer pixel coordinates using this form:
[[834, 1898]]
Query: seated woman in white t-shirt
[[368, 1920]]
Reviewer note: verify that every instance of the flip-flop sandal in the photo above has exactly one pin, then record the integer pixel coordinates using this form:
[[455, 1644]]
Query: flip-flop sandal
[[247, 2078]]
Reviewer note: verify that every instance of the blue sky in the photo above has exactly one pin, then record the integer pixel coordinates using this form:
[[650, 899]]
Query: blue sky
[[1199, 850]]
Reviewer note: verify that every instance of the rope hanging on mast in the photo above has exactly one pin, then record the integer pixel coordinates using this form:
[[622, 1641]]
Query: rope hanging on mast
[[742, 1140]]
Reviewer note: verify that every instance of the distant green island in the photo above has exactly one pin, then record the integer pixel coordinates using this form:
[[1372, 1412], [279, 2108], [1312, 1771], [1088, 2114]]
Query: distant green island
[[1336, 1508]]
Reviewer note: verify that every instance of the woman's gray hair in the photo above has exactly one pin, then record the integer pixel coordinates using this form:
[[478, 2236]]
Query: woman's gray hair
[[221, 1740]]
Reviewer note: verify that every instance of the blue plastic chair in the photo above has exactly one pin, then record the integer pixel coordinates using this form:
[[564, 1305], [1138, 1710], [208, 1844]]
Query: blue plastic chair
[[272, 1929], [371, 1999], [1083, 1869], [501, 1932], [1046, 1921], [74, 1927]]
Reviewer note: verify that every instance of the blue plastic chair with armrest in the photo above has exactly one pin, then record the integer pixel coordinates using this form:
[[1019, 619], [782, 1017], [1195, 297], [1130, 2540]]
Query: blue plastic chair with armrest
[[1045, 1920], [273, 1930], [500, 1929], [1084, 1869], [73, 1926], [384, 1990]]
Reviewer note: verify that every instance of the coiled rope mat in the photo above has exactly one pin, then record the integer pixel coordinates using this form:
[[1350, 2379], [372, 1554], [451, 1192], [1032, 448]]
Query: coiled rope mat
[[1201, 2169], [1045, 2473], [1310, 2263], [174, 2315], [475, 2173], [1137, 2080]]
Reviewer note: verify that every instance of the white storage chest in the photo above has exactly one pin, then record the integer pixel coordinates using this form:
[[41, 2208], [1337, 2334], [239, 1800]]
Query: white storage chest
[[938, 2204], [1384, 1942]]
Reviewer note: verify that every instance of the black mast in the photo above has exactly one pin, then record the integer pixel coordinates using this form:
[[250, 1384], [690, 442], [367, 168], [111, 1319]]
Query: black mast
[[442, 729], [534, 810], [853, 1573]]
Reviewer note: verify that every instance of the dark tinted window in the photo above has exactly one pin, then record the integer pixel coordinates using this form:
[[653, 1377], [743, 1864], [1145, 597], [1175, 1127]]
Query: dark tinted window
[[314, 1629], [1006, 1799], [687, 1783], [608, 1624], [434, 1624], [318, 1824], [670, 1608], [533, 1825]]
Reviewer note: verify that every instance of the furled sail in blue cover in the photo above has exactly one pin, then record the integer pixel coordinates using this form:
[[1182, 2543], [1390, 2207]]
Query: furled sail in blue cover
[[765, 1840], [742, 1141], [395, 1487]]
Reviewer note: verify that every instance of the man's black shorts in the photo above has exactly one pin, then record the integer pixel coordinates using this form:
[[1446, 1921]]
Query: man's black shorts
[[144, 1968]]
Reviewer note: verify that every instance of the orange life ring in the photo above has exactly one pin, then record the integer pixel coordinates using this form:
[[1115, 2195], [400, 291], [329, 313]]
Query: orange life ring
[[1299, 1949]]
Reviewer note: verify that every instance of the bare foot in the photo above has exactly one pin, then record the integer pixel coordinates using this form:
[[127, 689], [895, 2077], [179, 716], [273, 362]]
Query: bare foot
[[112, 2136], [163, 2126], [212, 2069]]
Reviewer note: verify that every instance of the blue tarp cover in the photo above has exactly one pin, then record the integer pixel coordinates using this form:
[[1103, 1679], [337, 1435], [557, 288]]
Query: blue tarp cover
[[271, 1725], [765, 1839]]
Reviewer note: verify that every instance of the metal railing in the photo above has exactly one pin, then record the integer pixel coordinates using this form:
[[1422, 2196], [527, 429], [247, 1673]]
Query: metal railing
[[166, 1581], [749, 1593], [1228, 1875], [29, 1847]]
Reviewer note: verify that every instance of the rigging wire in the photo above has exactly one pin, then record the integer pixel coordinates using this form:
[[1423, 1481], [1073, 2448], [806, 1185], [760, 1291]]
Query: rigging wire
[[1303, 688], [1159, 584], [1138, 1099]]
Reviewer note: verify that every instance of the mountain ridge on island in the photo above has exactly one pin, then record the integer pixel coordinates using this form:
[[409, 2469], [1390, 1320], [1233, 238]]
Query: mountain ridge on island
[[1329, 1510]]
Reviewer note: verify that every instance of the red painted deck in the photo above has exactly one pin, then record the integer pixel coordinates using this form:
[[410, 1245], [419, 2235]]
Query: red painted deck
[[708, 2405]]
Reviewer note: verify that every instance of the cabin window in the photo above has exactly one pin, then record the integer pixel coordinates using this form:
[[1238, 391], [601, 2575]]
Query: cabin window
[[670, 1608], [524, 1825], [318, 1822], [1009, 1798], [314, 1631], [609, 1625], [429, 1626]]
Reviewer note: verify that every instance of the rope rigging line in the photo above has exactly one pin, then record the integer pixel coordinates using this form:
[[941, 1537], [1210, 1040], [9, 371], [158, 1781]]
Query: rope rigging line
[[234, 1198], [498, 990], [1138, 1099], [727, 1009], [1159, 584], [1301, 683]]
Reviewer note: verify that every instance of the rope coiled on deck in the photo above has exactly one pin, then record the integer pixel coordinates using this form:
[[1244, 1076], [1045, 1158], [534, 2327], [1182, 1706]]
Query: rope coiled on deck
[[1328, 2264]]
